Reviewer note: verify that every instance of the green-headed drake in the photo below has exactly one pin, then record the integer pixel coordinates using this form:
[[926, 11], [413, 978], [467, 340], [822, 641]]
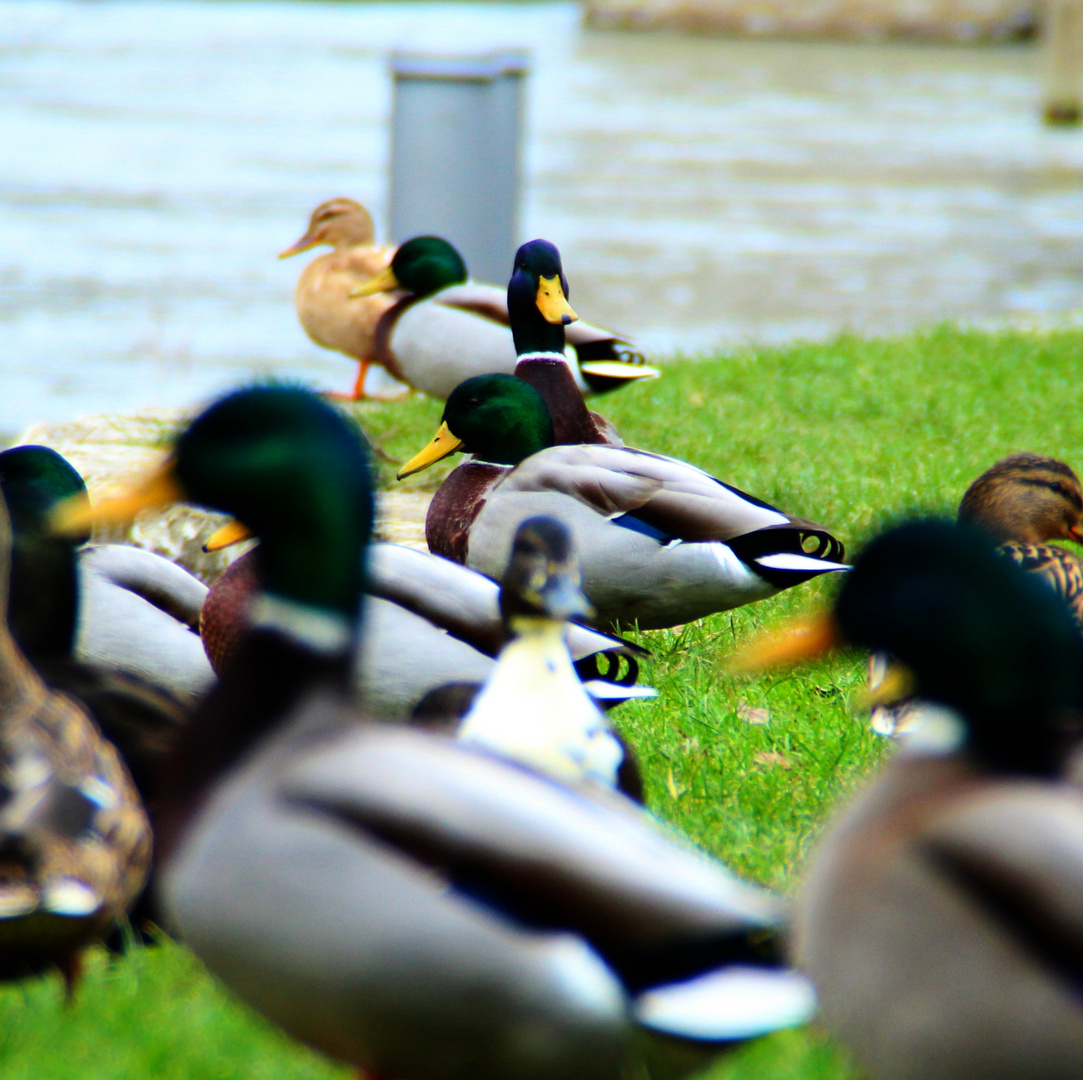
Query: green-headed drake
[[446, 328], [412, 905], [941, 916], [111, 625], [660, 542], [115, 606]]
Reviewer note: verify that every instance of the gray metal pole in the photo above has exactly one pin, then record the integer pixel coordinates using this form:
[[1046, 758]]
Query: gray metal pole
[[1062, 62], [455, 154]]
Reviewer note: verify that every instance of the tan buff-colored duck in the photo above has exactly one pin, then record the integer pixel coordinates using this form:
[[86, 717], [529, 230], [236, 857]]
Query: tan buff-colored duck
[[328, 315]]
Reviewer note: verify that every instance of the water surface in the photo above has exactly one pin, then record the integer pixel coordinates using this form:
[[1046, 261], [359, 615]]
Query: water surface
[[704, 191]]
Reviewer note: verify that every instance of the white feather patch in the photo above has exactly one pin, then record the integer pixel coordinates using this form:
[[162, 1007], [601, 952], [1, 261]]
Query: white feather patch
[[734, 1003], [534, 709], [788, 560], [70, 897], [318, 629]]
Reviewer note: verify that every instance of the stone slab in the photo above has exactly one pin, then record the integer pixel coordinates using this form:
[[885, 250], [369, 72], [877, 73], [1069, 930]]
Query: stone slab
[[113, 452]]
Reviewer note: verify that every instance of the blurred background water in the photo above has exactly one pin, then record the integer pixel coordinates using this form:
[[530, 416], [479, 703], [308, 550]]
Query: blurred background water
[[704, 192]]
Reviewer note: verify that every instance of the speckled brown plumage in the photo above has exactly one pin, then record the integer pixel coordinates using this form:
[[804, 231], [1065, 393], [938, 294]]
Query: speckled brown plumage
[[75, 843], [1023, 502]]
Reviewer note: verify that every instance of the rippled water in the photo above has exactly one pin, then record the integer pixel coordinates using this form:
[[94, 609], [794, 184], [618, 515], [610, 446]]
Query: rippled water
[[156, 156]]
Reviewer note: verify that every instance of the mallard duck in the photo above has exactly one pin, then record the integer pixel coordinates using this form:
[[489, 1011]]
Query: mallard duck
[[1024, 501], [327, 314], [660, 542], [429, 622], [403, 902], [533, 707], [1021, 503], [447, 328], [137, 612], [941, 914], [75, 842]]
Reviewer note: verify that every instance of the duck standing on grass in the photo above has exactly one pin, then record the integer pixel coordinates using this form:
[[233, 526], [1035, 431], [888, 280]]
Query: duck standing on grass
[[1021, 503], [75, 843], [941, 916], [448, 328], [660, 542], [405, 903], [327, 314]]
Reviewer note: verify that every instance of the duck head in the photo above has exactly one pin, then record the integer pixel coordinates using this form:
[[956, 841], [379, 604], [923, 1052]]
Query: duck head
[[538, 300], [422, 266], [339, 222], [44, 592], [542, 580], [978, 635], [499, 418], [1029, 498], [292, 470]]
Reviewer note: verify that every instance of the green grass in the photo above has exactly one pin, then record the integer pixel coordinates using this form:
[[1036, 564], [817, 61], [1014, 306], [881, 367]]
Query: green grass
[[850, 433]]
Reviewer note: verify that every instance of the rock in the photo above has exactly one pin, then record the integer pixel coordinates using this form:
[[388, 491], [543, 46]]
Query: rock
[[114, 452], [950, 20]]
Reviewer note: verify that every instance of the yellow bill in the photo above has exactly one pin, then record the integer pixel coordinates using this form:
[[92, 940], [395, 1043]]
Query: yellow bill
[[618, 369], [552, 302], [443, 444], [896, 684], [73, 516], [384, 281], [795, 643], [233, 532]]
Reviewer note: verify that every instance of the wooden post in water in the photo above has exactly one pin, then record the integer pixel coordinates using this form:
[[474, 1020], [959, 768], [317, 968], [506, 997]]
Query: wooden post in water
[[1062, 62], [455, 155]]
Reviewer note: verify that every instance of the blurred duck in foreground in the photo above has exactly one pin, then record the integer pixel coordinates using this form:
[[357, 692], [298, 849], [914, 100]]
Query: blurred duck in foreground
[[660, 542], [327, 314], [428, 622], [534, 708], [447, 328], [942, 913], [115, 607], [75, 842], [1021, 503], [412, 905]]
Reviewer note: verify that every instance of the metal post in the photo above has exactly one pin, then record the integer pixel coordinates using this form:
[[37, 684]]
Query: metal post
[[455, 155], [1062, 62]]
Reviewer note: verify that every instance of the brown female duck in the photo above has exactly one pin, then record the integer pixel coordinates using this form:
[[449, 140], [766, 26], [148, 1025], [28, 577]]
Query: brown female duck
[[1022, 503], [328, 315], [75, 842]]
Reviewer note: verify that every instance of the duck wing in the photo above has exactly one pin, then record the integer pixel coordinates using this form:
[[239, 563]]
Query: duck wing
[[1016, 854], [574, 857], [467, 604], [670, 499]]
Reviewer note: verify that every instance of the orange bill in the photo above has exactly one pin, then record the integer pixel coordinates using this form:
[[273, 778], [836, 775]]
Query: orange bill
[[796, 642]]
